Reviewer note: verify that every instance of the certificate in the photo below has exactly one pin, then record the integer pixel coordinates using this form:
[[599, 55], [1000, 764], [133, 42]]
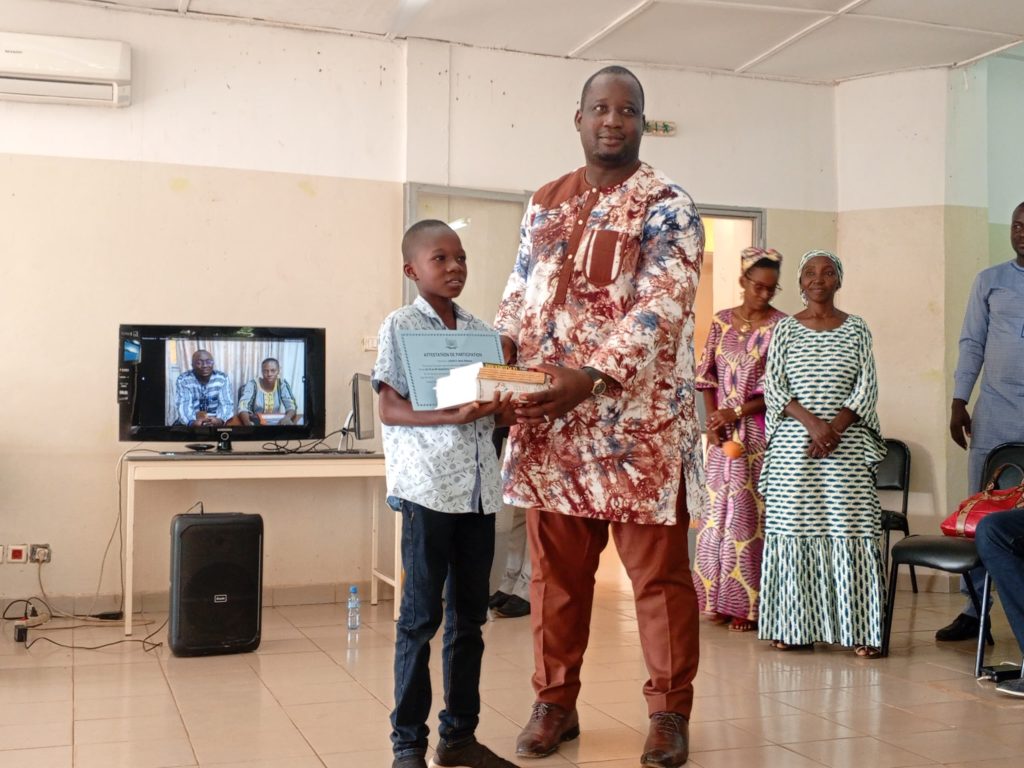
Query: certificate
[[429, 355]]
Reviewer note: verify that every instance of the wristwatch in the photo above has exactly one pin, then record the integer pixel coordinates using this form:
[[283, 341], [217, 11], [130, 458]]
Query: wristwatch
[[600, 385], [738, 410]]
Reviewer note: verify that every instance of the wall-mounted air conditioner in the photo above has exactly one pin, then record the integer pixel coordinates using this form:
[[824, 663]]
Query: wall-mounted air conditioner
[[68, 70]]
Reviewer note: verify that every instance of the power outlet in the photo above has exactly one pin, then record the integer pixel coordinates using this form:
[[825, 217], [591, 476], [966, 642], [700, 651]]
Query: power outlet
[[17, 553], [39, 553], [369, 343]]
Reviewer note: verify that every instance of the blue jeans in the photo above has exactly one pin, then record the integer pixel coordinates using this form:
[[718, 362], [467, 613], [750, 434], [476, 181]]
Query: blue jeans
[[440, 547], [1000, 540]]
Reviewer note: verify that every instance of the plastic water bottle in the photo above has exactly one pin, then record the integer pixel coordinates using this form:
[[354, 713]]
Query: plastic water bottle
[[353, 607]]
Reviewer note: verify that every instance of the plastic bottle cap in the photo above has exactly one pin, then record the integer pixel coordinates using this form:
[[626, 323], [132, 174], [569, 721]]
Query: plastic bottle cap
[[352, 590]]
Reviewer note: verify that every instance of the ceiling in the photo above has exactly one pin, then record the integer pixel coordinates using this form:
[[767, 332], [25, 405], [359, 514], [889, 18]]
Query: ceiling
[[813, 41]]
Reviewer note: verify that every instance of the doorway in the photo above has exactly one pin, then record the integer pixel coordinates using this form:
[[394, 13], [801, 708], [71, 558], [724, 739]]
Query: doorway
[[727, 231]]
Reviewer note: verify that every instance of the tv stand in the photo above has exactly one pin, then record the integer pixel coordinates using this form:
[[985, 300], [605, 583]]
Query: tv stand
[[149, 467]]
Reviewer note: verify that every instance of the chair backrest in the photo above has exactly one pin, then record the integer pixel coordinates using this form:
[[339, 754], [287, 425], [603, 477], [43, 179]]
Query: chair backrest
[[893, 473], [1007, 453]]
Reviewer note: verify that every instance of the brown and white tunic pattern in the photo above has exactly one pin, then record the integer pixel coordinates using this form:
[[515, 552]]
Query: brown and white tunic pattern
[[607, 278]]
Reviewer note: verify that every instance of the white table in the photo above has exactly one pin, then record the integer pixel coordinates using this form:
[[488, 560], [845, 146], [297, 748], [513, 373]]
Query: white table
[[258, 466]]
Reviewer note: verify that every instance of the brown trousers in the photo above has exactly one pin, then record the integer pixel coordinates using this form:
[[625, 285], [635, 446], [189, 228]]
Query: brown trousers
[[565, 551]]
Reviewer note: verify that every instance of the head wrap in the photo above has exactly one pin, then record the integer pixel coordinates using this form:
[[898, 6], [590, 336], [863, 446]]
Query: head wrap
[[750, 256], [812, 254]]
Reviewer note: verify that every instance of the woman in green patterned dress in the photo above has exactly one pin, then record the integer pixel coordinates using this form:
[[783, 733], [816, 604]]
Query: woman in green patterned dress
[[822, 577]]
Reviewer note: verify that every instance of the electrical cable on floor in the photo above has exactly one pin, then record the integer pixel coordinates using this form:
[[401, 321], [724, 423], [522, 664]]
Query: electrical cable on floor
[[147, 644]]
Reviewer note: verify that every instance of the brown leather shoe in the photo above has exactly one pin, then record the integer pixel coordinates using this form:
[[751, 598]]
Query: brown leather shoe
[[668, 741], [549, 726]]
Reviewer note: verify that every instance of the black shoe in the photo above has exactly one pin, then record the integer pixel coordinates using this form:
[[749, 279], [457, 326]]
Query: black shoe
[[513, 608], [409, 761], [497, 599], [472, 754], [963, 627]]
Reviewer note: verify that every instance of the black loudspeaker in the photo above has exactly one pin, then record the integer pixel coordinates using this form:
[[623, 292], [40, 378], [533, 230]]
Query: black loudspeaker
[[216, 584]]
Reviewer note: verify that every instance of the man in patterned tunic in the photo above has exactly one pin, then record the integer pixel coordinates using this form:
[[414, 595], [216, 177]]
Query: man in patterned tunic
[[601, 298]]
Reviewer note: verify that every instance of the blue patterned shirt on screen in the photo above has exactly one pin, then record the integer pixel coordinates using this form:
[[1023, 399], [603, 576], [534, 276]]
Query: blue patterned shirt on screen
[[213, 398], [446, 468]]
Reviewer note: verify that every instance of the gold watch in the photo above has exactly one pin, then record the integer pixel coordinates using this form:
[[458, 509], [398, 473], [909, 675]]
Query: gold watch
[[600, 385], [738, 410]]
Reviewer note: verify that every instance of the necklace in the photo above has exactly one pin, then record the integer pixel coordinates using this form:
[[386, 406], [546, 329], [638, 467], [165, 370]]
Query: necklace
[[745, 328]]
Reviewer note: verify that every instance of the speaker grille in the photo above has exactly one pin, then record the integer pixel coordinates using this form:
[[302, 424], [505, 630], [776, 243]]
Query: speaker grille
[[216, 583]]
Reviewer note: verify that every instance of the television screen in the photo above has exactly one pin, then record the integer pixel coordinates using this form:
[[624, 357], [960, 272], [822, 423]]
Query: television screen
[[181, 383]]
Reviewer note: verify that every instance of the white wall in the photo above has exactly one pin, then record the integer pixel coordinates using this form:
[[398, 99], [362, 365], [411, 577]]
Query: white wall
[[1005, 142], [967, 127], [891, 141], [511, 128], [222, 94]]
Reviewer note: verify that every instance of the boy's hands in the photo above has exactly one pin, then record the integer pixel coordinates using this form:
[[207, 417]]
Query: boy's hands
[[464, 414]]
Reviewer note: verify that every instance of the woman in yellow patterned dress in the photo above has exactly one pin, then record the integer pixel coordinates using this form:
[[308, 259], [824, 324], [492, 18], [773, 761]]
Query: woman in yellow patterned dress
[[727, 568]]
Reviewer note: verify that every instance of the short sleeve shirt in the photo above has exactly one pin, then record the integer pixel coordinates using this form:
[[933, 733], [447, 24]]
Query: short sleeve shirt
[[447, 468]]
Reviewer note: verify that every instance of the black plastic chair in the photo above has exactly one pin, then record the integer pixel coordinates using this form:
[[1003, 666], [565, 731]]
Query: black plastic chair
[[954, 555], [943, 553], [893, 474]]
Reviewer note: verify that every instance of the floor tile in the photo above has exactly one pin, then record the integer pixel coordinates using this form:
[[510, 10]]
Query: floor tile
[[42, 757], [168, 753], [318, 695], [786, 729], [857, 753], [754, 757]]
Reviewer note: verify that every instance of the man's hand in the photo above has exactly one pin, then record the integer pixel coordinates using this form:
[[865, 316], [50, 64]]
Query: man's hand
[[960, 424], [569, 387]]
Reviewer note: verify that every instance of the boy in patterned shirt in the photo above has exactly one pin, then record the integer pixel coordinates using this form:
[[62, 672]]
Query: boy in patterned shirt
[[443, 476]]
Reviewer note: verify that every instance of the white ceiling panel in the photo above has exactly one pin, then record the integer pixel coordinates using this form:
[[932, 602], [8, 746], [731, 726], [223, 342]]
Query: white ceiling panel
[[855, 46], [830, 6], [152, 5], [372, 16], [710, 36], [535, 26], [816, 41], [980, 14]]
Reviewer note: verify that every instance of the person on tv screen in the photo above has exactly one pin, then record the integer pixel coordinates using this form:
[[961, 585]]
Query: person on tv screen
[[202, 396], [269, 394]]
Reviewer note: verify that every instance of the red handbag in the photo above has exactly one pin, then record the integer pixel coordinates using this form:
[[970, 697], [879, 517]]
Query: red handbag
[[964, 521]]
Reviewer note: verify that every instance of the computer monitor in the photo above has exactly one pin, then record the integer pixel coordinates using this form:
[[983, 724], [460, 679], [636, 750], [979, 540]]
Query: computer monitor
[[193, 382], [360, 422]]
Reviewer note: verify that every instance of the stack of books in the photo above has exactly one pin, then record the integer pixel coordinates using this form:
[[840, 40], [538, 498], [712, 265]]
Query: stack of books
[[480, 381]]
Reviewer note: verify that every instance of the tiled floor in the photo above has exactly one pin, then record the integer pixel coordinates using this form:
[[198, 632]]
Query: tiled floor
[[316, 695]]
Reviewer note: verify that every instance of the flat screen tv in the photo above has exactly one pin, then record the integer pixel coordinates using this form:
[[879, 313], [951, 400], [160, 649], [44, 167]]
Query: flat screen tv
[[220, 383]]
